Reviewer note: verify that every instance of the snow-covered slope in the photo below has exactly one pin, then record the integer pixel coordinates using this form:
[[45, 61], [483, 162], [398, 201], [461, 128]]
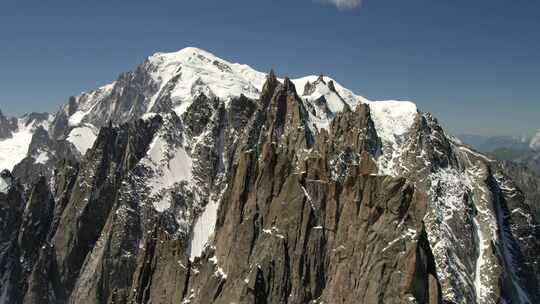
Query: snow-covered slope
[[196, 71], [15, 148], [86, 102], [82, 137]]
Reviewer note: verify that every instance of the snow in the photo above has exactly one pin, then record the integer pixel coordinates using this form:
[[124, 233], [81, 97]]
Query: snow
[[170, 165], [86, 103], [482, 156], [197, 71], [392, 118], [448, 189], [480, 289], [82, 138], [219, 271], [506, 246], [4, 185], [274, 231], [14, 149], [334, 102], [322, 90], [203, 229], [177, 169], [201, 72], [535, 141], [42, 157], [148, 116], [76, 118], [410, 234]]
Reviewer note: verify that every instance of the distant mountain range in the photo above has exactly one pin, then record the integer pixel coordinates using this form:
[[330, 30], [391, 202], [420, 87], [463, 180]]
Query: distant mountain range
[[488, 144], [524, 150]]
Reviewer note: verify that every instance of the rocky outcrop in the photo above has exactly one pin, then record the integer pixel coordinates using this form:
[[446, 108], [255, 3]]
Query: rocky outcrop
[[7, 126]]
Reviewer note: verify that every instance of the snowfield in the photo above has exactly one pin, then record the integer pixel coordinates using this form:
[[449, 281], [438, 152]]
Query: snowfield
[[14, 149], [83, 138]]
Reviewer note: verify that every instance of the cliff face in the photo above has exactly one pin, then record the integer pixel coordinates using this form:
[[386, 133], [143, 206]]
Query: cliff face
[[282, 198]]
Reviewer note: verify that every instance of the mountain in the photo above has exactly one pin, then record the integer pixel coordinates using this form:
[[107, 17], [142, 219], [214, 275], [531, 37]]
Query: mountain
[[489, 144], [195, 180], [519, 158], [528, 180]]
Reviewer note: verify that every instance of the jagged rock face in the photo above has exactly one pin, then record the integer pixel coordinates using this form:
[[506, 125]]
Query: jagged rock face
[[16, 135], [290, 233], [532, 162], [7, 126], [266, 196], [12, 207], [43, 154], [527, 180]]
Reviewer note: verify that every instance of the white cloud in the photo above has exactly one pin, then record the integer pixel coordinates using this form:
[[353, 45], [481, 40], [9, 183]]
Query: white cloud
[[344, 4]]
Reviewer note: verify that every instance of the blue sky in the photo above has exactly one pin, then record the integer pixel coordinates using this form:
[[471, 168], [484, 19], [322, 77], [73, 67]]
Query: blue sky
[[474, 64]]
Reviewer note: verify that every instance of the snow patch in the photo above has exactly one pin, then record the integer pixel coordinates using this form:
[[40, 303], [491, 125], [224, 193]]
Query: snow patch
[[4, 185], [348, 96], [219, 271], [481, 291], [42, 158], [82, 138], [86, 103], [170, 165], [410, 234], [177, 169], [482, 156], [274, 231], [203, 229], [76, 118], [392, 120], [14, 149]]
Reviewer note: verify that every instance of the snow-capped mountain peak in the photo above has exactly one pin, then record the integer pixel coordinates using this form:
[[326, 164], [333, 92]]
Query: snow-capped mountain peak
[[171, 81], [199, 71]]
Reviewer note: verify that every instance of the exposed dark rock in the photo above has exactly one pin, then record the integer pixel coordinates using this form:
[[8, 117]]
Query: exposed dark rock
[[7, 126]]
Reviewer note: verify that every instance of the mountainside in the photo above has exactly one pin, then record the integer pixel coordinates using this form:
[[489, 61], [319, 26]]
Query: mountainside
[[528, 181], [195, 180]]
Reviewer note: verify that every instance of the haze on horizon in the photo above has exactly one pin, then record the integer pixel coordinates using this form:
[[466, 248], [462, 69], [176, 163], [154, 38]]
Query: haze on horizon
[[473, 64]]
